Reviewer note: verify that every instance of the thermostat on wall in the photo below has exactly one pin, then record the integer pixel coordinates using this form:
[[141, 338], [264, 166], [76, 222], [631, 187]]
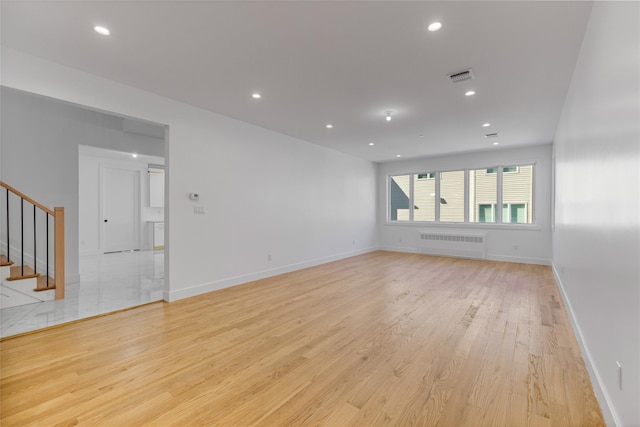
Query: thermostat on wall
[[194, 196]]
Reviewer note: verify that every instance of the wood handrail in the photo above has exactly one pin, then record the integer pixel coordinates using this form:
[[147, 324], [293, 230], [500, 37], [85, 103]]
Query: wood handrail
[[27, 198]]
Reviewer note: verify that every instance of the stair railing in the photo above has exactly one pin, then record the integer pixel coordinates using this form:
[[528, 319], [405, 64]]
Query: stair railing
[[57, 214]]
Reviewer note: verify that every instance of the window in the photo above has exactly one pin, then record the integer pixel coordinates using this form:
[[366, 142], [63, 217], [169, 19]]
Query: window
[[487, 213], [483, 195], [424, 200], [517, 195], [506, 169], [515, 213], [399, 197], [428, 175], [452, 196], [460, 196]]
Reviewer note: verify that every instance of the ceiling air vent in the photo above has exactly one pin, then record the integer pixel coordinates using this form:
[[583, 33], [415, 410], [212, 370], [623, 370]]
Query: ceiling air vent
[[462, 76], [491, 135]]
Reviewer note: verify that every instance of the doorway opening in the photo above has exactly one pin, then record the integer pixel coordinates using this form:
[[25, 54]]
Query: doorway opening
[[115, 264]]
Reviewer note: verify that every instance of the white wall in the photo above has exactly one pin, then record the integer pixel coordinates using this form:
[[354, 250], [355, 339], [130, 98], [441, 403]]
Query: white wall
[[40, 139], [533, 243], [597, 236], [263, 192]]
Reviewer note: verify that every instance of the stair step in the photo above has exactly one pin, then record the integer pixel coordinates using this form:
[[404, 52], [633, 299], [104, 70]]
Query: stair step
[[18, 273], [4, 261], [42, 284]]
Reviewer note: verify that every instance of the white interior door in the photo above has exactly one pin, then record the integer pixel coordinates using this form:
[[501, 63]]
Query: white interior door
[[121, 210]]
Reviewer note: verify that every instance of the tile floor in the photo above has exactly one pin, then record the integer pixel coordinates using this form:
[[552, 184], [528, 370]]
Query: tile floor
[[108, 283]]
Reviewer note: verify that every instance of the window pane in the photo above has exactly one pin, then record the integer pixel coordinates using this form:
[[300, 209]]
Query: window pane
[[399, 198], [427, 175], [483, 195], [517, 194], [452, 196], [424, 197]]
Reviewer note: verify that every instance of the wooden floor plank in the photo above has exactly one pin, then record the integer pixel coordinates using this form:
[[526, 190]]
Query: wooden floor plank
[[378, 339]]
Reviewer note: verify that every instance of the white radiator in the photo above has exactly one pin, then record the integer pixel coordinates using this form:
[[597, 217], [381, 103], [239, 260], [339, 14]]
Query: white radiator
[[453, 244]]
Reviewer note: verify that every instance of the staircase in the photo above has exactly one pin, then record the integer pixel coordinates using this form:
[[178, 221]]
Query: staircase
[[32, 250]]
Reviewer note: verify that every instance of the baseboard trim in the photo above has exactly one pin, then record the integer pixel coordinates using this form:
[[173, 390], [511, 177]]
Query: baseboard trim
[[239, 280], [399, 249], [503, 258], [608, 411], [519, 260]]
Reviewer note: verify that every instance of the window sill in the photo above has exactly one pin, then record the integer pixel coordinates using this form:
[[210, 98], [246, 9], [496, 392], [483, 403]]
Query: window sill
[[471, 226]]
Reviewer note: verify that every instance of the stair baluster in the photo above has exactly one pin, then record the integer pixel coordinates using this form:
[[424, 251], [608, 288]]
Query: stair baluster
[[35, 243], [22, 236], [8, 240], [47, 232]]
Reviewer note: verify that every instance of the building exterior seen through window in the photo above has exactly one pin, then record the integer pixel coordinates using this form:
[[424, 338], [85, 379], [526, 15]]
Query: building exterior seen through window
[[469, 195]]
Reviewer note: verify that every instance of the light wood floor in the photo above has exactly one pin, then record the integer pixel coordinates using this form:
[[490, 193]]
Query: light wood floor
[[378, 339]]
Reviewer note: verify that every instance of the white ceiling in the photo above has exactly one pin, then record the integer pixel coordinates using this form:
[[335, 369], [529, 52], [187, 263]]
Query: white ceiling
[[317, 62]]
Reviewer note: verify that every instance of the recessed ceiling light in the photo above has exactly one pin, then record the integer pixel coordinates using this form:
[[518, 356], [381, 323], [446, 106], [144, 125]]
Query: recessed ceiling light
[[371, 143], [134, 155], [434, 26], [329, 126], [256, 95], [470, 93], [486, 125], [496, 143], [398, 155], [388, 116], [102, 30]]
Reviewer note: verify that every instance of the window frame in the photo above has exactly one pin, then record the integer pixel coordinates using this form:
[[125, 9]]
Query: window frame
[[497, 213]]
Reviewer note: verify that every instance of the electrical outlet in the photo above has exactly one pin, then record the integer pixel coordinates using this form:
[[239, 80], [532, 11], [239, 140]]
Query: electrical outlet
[[268, 257], [515, 247]]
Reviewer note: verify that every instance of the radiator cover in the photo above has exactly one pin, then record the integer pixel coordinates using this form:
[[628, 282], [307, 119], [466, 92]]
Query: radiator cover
[[463, 245]]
